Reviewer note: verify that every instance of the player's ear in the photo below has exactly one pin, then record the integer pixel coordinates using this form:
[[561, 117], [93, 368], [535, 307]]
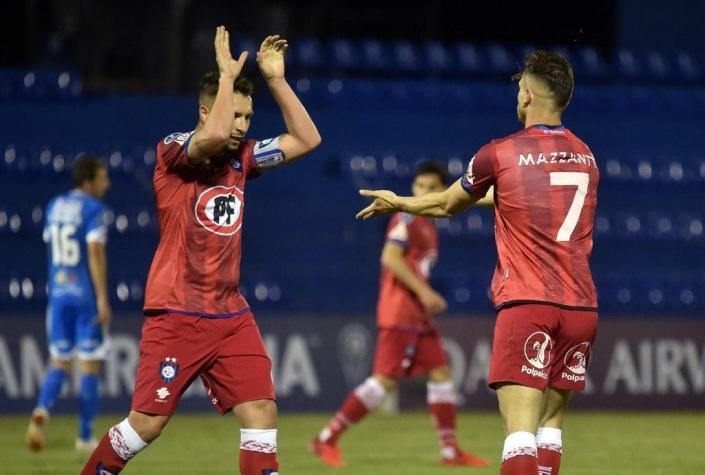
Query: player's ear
[[203, 111]]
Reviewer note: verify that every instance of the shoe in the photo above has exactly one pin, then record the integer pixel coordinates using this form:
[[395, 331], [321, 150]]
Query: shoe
[[461, 458], [330, 454], [36, 431], [87, 446]]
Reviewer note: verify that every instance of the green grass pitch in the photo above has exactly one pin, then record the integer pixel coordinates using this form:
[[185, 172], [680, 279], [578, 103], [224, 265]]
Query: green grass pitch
[[600, 443]]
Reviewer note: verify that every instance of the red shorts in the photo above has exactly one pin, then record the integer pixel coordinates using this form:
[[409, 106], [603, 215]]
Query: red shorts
[[227, 353], [408, 353], [540, 346]]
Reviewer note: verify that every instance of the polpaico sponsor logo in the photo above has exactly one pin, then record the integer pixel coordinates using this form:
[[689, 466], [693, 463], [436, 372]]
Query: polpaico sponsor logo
[[572, 377], [534, 372]]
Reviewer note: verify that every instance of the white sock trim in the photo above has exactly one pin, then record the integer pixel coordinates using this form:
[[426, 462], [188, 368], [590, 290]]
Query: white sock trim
[[125, 440], [519, 443], [259, 440], [440, 393], [549, 438], [371, 393]]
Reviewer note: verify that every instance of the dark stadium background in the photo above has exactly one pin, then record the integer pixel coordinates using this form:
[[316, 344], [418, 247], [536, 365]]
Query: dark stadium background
[[388, 84]]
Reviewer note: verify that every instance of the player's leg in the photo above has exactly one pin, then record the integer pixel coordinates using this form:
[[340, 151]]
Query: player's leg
[[88, 402], [522, 358], [258, 436], [389, 365], [165, 364], [240, 378], [548, 436], [60, 327], [92, 346], [568, 374], [441, 399]]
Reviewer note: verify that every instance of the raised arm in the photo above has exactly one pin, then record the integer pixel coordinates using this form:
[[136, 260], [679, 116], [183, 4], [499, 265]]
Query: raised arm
[[214, 136], [301, 136], [444, 204]]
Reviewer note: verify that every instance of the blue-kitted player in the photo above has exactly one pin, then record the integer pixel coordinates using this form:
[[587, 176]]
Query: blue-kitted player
[[78, 311]]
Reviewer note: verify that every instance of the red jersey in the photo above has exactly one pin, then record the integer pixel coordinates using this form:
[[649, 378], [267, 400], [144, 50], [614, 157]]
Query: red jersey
[[196, 268], [545, 198], [398, 307]]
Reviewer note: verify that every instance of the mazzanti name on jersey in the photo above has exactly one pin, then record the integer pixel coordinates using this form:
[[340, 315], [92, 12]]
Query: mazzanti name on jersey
[[556, 157]]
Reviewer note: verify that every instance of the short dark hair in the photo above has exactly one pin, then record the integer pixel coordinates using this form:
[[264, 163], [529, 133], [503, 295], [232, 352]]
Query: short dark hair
[[434, 167], [554, 70], [85, 168], [210, 81]]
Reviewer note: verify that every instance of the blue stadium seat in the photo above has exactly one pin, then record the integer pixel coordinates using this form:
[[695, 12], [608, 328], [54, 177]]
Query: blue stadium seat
[[405, 57], [307, 53], [627, 64], [468, 59], [590, 63], [375, 56], [658, 66], [343, 54], [500, 59], [436, 57], [687, 67]]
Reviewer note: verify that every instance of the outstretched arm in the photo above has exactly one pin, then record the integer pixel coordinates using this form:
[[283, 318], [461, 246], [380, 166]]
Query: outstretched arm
[[443, 204], [301, 136]]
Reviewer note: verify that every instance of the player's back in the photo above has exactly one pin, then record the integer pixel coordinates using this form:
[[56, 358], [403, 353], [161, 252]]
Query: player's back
[[546, 198], [71, 221]]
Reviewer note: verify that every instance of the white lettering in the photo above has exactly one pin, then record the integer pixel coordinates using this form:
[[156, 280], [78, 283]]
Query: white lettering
[[32, 366], [669, 359], [479, 366], [297, 368], [622, 368], [121, 365], [8, 380], [526, 160], [534, 372]]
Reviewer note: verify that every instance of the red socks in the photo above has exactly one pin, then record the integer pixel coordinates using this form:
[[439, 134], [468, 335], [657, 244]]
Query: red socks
[[550, 449], [364, 398], [519, 454], [441, 403], [258, 452]]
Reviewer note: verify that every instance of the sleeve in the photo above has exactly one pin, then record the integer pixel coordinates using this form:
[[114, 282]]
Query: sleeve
[[173, 150], [96, 229], [260, 156], [398, 229], [480, 175]]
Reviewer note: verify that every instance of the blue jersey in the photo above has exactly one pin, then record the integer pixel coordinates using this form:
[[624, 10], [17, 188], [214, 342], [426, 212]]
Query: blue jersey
[[72, 220]]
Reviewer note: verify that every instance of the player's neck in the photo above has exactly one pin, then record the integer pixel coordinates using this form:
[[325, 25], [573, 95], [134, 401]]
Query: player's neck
[[86, 190], [542, 118]]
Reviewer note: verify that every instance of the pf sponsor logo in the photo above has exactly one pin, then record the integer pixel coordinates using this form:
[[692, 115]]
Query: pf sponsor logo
[[219, 210], [576, 359], [537, 349], [162, 394]]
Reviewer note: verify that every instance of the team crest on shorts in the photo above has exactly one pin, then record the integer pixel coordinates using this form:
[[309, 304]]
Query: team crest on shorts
[[219, 209], [168, 369], [537, 349], [576, 359]]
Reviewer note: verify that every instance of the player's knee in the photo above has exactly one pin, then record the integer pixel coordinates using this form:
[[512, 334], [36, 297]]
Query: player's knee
[[64, 365], [388, 383], [440, 375], [260, 414], [148, 427]]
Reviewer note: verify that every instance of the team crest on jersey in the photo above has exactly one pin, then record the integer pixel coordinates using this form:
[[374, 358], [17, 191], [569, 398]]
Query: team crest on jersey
[[168, 369], [576, 358], [219, 210], [537, 349]]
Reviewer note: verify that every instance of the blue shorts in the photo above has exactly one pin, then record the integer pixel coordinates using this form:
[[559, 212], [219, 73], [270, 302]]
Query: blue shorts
[[71, 329]]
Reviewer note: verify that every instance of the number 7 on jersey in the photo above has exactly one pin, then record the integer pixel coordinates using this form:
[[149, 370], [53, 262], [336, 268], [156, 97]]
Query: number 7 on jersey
[[581, 180]]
